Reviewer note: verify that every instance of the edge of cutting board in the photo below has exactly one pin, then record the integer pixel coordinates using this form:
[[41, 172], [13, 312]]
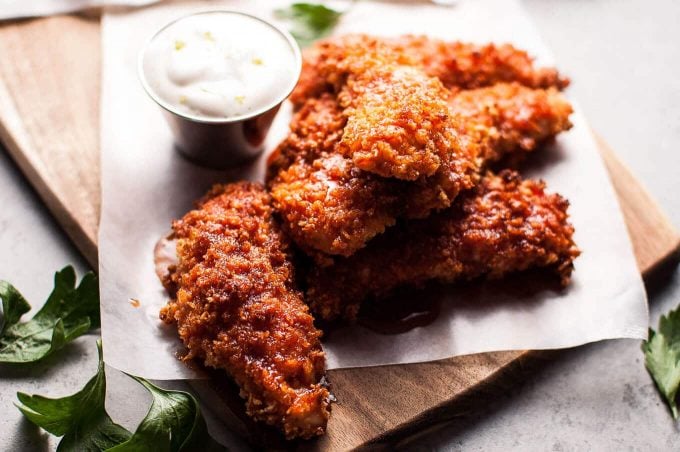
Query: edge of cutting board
[[49, 116]]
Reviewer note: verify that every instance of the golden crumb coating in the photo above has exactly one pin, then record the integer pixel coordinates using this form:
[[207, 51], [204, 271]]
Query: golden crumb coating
[[467, 65], [504, 225], [329, 205], [324, 201], [323, 65], [314, 130], [398, 122], [458, 65], [511, 118], [237, 308], [503, 122]]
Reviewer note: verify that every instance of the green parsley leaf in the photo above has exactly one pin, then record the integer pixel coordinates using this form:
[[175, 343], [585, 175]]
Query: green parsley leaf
[[80, 418], [68, 313], [173, 423], [662, 357], [310, 21], [14, 305]]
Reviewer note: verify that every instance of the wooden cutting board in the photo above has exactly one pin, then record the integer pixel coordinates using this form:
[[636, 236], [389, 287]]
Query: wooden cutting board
[[49, 122]]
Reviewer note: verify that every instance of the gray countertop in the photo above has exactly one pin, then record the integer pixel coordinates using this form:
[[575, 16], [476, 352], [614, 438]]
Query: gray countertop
[[624, 60]]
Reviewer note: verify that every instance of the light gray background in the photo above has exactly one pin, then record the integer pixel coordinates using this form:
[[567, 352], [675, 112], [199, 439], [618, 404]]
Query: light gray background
[[624, 60]]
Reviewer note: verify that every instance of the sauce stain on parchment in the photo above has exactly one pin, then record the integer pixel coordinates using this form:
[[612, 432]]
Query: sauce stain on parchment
[[405, 310], [165, 256]]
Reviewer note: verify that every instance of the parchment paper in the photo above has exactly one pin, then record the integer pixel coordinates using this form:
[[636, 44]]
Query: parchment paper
[[146, 184]]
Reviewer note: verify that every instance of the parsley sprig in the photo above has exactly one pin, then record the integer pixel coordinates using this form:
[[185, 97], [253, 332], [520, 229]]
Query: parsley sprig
[[662, 357], [69, 312], [173, 423], [309, 21]]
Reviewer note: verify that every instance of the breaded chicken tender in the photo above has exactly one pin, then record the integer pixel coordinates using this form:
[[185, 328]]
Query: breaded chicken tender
[[466, 65], [324, 201], [511, 118], [397, 120], [237, 309], [504, 225], [330, 206], [315, 130], [458, 65]]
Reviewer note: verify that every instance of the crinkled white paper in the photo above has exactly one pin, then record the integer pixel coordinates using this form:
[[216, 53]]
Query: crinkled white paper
[[146, 184]]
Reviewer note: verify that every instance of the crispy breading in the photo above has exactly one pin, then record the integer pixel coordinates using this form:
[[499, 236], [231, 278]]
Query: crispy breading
[[328, 205], [467, 65], [504, 225], [324, 201], [323, 66], [314, 130], [398, 122], [458, 65], [503, 122], [511, 118], [237, 308]]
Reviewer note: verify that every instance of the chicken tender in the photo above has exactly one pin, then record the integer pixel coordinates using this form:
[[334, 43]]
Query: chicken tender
[[458, 65], [330, 206], [237, 309], [504, 225], [315, 130], [511, 118], [325, 202], [398, 122], [465, 65], [501, 123]]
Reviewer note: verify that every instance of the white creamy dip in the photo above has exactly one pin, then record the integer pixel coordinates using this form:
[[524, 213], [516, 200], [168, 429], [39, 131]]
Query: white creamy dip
[[219, 65]]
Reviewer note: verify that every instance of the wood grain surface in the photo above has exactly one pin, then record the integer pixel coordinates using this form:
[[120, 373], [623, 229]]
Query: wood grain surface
[[49, 122], [49, 116]]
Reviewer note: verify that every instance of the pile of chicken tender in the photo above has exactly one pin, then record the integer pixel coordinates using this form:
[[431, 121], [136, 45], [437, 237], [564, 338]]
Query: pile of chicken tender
[[399, 169]]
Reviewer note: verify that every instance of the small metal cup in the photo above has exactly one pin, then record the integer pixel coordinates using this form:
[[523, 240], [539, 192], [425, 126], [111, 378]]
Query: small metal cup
[[221, 142]]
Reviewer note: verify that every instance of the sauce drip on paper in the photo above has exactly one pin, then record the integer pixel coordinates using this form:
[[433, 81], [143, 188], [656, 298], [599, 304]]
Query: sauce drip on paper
[[408, 309]]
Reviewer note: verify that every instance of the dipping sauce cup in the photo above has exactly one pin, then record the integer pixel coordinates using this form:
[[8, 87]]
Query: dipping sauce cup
[[220, 78]]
